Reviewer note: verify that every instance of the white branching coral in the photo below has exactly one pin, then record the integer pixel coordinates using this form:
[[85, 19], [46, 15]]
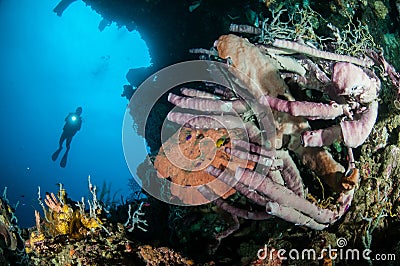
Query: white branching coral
[[135, 219]]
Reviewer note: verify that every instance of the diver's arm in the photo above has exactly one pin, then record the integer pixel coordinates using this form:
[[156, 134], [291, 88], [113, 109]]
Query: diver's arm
[[67, 117]]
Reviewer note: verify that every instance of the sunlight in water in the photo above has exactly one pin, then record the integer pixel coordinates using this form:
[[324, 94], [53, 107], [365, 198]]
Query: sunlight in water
[[50, 65]]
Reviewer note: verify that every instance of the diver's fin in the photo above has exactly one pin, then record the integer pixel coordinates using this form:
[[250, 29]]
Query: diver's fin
[[55, 154], [63, 161]]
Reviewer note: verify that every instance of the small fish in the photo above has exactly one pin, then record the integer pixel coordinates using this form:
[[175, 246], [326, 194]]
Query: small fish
[[221, 141], [200, 136]]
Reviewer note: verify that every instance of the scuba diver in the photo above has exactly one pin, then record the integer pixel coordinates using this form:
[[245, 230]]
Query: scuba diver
[[73, 123]]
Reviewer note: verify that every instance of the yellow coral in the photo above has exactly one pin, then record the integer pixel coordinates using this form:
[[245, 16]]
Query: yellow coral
[[62, 227], [90, 223], [62, 219], [34, 239]]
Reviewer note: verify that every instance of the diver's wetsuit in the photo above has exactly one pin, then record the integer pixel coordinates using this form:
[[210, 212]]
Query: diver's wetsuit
[[70, 128], [73, 123]]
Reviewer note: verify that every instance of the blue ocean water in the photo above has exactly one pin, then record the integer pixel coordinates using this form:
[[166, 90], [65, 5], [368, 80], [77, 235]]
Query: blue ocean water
[[49, 66]]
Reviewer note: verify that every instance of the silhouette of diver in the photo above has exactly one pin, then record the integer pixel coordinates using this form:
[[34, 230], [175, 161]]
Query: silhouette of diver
[[128, 92], [73, 123]]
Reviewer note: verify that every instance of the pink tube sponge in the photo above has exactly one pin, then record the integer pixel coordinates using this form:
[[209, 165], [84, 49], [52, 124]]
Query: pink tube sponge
[[353, 81]]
